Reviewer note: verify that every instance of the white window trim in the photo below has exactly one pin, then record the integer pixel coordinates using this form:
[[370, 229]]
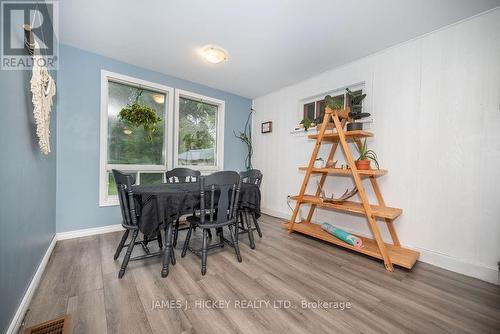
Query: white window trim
[[220, 130], [104, 200], [318, 97]]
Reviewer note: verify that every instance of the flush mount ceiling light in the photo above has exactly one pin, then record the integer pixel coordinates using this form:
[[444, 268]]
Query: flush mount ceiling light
[[214, 55]]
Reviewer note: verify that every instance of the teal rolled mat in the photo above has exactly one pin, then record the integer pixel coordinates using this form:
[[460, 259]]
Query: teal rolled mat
[[342, 235]]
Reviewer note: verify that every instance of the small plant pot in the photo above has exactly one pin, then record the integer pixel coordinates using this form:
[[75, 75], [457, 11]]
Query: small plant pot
[[354, 126], [363, 164]]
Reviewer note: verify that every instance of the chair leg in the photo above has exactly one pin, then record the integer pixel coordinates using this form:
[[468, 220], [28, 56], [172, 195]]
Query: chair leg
[[220, 232], [120, 245], [160, 241], [176, 232], [256, 223], [204, 250], [234, 240], [128, 254], [249, 230], [186, 242]]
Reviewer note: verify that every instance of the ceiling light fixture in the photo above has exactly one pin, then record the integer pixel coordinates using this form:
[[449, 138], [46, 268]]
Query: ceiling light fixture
[[159, 98], [214, 55]]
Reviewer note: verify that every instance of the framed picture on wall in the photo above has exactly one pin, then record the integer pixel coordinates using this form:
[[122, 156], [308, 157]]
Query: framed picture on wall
[[266, 127]]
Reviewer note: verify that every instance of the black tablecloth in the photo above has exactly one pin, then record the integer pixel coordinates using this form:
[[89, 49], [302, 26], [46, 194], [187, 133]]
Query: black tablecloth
[[160, 203]]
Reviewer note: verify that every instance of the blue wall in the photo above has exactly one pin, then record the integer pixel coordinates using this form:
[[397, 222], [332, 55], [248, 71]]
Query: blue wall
[[27, 193], [78, 133]]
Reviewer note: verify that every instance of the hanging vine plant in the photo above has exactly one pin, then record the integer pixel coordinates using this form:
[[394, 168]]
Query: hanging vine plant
[[136, 115]]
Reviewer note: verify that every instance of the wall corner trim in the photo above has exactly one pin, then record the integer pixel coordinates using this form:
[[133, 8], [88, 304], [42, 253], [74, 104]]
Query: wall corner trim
[[28, 295], [89, 231]]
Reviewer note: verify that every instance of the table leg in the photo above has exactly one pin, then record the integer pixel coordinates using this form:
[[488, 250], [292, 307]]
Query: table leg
[[168, 250]]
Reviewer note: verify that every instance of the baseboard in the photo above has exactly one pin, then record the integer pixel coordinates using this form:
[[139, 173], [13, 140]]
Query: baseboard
[[89, 231], [479, 271], [28, 295]]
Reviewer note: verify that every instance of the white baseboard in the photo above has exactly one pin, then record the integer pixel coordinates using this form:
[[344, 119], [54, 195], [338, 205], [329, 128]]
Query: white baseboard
[[479, 271], [28, 295], [89, 231]]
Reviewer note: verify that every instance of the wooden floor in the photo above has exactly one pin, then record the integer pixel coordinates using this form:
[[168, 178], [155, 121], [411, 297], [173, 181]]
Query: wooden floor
[[81, 279]]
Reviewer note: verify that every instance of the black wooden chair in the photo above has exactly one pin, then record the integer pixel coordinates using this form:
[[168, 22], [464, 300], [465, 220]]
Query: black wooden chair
[[124, 184], [253, 176], [182, 175], [221, 192]]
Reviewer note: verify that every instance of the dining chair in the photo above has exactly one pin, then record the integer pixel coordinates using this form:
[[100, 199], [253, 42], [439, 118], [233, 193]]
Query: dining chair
[[124, 183], [221, 191], [182, 175], [252, 176]]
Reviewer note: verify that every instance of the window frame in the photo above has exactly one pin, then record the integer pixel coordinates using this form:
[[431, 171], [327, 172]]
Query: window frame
[[106, 76], [316, 99], [220, 130]]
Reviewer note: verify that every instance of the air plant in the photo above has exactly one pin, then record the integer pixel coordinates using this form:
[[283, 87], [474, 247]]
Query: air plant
[[366, 154], [246, 138]]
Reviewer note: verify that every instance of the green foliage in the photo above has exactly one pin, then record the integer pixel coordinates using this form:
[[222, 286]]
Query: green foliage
[[137, 115], [306, 122], [355, 100], [197, 127], [333, 103], [365, 153]]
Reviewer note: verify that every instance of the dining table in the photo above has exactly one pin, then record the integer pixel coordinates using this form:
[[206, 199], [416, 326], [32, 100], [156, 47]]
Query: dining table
[[159, 205]]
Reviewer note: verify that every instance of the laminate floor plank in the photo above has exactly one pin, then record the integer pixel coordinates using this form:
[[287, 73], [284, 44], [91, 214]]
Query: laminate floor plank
[[292, 273]]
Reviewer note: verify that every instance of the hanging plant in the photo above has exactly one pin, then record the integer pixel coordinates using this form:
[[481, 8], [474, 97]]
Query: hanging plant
[[136, 115]]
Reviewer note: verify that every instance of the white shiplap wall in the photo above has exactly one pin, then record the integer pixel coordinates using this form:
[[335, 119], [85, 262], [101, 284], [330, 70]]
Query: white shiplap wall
[[435, 101]]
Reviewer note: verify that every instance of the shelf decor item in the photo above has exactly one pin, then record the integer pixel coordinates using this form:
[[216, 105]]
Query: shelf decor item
[[391, 254], [136, 115], [343, 235], [365, 156], [354, 101]]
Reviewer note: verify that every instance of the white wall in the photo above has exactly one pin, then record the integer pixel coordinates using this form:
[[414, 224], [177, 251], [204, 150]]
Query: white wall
[[435, 102]]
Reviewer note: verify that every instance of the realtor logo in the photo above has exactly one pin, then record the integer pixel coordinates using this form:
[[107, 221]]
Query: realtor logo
[[29, 31]]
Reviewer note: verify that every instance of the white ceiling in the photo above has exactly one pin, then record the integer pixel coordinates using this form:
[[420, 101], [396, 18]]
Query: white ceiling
[[271, 43]]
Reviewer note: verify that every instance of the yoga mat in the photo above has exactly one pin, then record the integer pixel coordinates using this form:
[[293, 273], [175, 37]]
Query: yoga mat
[[342, 235]]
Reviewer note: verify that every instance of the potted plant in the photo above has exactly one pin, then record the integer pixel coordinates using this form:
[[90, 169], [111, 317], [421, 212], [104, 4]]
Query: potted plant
[[306, 123], [136, 114], [354, 101], [365, 157]]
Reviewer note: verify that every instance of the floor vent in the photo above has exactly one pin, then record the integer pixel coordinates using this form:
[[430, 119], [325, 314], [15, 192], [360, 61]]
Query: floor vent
[[56, 326]]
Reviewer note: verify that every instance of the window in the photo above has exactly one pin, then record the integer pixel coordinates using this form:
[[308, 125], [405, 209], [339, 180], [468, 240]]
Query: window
[[132, 149], [314, 108], [200, 135]]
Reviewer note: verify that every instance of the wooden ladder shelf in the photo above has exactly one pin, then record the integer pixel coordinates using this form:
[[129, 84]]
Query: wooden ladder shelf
[[391, 254]]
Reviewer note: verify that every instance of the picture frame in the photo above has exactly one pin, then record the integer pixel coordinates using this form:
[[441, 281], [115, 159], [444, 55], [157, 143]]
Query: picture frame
[[266, 127]]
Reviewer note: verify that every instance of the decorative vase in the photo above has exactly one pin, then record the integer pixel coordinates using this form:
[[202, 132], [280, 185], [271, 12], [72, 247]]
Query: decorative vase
[[363, 164]]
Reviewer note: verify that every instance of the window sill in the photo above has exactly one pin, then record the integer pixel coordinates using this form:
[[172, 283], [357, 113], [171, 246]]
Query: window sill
[[302, 132], [109, 202]]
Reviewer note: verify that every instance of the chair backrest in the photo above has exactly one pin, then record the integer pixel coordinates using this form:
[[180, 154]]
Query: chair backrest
[[182, 175], [124, 184], [227, 185], [252, 176]]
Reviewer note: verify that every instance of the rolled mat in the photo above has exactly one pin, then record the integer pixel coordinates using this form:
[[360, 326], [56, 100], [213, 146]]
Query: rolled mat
[[342, 235]]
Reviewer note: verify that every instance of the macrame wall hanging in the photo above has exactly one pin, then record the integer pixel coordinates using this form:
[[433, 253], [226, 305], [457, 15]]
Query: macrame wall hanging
[[43, 88]]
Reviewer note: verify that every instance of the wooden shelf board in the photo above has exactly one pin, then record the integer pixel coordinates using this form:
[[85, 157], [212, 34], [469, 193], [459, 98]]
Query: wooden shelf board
[[400, 256], [340, 171], [353, 207], [350, 135]]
